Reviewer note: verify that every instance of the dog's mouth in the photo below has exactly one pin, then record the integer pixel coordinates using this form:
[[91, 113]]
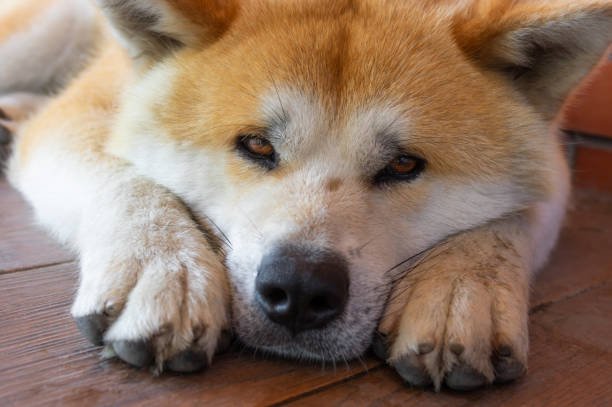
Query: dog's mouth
[[336, 342], [306, 303]]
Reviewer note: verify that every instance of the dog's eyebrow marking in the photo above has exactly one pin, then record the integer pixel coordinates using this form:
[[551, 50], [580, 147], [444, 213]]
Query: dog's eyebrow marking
[[277, 126], [388, 143]]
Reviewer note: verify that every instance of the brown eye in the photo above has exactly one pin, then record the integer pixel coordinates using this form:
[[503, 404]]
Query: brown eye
[[404, 167], [403, 164], [257, 148], [258, 145]]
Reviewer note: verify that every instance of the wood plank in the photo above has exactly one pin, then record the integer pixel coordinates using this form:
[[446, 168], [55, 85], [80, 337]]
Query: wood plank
[[585, 318], [583, 256], [593, 167], [570, 364], [44, 360], [24, 244]]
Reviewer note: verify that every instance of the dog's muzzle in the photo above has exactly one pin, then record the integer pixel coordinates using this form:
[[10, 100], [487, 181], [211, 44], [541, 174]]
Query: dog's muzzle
[[301, 287]]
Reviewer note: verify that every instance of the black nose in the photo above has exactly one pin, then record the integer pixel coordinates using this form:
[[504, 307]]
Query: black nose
[[302, 288]]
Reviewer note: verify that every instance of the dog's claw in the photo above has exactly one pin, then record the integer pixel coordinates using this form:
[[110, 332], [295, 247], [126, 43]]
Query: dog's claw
[[504, 351], [457, 348], [136, 353], [93, 327], [425, 348], [464, 377], [188, 361], [507, 369], [411, 373]]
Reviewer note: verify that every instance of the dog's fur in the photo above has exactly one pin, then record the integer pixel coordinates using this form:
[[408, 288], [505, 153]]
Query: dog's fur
[[133, 163]]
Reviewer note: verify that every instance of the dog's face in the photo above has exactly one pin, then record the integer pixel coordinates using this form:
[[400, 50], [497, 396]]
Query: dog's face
[[347, 139]]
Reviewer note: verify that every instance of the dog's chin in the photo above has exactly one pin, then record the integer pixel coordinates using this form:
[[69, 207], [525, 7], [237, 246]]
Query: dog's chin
[[338, 341]]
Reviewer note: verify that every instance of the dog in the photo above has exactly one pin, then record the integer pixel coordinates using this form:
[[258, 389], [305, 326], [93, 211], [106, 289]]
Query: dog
[[314, 177]]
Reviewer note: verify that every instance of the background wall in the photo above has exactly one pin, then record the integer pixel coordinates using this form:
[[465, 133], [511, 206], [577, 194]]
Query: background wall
[[587, 119]]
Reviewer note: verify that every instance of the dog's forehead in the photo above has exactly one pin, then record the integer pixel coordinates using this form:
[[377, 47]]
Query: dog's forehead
[[301, 122], [352, 85]]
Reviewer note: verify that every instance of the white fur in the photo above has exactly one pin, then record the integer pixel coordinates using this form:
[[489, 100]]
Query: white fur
[[547, 216], [143, 260]]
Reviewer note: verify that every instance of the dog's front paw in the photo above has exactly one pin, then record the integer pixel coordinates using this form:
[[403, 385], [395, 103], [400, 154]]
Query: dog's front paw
[[156, 294], [461, 325]]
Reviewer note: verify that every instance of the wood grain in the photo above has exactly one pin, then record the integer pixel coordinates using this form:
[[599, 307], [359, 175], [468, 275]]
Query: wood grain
[[570, 365], [23, 245], [583, 256], [44, 360], [593, 167]]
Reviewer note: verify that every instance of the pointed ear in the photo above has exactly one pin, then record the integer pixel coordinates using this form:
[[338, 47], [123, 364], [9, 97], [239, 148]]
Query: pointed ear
[[544, 47], [149, 29]]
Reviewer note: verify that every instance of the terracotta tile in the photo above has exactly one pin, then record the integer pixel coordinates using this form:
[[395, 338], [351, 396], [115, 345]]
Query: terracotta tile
[[589, 108], [593, 168]]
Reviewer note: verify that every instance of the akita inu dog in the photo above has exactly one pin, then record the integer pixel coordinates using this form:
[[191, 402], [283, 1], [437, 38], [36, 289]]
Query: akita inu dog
[[308, 174]]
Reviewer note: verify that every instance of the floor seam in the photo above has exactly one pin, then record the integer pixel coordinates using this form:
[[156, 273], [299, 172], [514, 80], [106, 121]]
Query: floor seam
[[548, 304], [40, 266], [326, 386]]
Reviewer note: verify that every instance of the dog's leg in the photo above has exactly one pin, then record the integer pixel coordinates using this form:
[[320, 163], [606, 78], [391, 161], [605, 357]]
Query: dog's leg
[[153, 284], [459, 316]]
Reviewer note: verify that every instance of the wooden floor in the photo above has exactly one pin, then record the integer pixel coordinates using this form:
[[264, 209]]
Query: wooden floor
[[45, 361]]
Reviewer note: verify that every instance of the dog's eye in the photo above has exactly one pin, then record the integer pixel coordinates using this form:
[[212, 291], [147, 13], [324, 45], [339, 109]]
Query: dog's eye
[[404, 167], [259, 149], [258, 145]]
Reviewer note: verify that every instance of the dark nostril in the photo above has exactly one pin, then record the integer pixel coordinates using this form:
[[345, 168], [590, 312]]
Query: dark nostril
[[275, 296]]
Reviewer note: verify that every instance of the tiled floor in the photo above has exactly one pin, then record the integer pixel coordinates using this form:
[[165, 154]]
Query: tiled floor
[[45, 361]]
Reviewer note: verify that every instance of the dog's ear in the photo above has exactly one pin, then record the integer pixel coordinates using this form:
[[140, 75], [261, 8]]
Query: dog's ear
[[149, 29], [544, 47]]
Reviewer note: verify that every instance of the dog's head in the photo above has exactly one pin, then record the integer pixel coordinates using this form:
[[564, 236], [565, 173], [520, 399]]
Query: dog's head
[[328, 143]]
